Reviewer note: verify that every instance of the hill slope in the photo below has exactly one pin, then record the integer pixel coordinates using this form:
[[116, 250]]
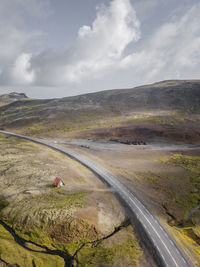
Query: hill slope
[[7, 98], [168, 102]]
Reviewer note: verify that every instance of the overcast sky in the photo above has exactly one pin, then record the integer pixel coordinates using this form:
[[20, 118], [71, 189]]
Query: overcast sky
[[55, 48]]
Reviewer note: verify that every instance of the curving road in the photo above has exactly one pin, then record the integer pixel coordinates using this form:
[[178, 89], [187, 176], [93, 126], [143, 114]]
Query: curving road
[[164, 247]]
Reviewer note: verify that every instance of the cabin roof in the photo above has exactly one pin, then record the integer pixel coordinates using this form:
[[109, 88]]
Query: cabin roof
[[57, 181]]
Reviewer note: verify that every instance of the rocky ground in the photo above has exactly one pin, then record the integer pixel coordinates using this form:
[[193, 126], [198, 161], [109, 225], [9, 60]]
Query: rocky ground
[[83, 219]]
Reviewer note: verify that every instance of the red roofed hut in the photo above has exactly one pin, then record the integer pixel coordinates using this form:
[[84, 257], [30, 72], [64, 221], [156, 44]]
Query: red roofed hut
[[58, 182]]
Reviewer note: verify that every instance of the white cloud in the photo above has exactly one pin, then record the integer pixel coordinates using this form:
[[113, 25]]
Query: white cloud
[[171, 52], [21, 73], [84, 31], [145, 8], [15, 38], [98, 47], [106, 53]]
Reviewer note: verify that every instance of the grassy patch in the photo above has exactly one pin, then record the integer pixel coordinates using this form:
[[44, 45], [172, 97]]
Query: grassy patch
[[40, 213], [156, 181], [191, 164], [3, 203], [69, 235], [181, 192], [124, 249], [32, 217], [187, 199], [90, 256], [13, 253], [186, 237], [57, 199], [171, 117], [130, 174]]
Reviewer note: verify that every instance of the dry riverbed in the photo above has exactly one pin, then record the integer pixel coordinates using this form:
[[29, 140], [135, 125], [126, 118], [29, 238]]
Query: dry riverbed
[[83, 220]]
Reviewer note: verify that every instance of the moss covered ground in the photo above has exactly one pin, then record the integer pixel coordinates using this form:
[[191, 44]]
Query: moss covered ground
[[47, 216], [13, 253], [124, 251], [187, 197], [191, 163]]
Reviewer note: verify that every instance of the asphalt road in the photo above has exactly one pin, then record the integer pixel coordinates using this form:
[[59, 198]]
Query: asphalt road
[[166, 249]]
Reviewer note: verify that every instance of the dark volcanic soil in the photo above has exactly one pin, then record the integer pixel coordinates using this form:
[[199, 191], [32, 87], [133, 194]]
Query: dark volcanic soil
[[146, 132]]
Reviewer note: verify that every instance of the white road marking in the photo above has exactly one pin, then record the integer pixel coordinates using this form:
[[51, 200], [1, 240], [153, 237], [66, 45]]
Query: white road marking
[[159, 238]]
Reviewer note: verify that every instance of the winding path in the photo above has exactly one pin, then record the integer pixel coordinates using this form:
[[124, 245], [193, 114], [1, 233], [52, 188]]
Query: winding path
[[165, 250]]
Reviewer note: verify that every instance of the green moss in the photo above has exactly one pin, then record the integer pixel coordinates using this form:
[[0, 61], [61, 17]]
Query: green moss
[[3, 203], [127, 172], [72, 247], [186, 202], [126, 252], [190, 163], [163, 160], [89, 256], [13, 253], [31, 217], [57, 199], [187, 198], [36, 235], [155, 181]]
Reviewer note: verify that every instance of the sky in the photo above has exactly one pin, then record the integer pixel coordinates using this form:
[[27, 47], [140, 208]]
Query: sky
[[57, 48]]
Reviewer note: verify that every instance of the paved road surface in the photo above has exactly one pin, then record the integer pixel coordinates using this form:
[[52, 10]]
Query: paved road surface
[[166, 249]]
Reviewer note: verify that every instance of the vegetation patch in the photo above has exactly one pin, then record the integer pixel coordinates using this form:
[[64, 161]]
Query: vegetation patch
[[69, 235], [186, 237], [12, 253], [121, 248], [73, 230], [45, 215], [187, 197], [31, 217], [3, 203], [191, 164]]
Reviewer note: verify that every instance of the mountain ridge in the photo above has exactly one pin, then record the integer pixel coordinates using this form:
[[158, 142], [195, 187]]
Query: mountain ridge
[[143, 95]]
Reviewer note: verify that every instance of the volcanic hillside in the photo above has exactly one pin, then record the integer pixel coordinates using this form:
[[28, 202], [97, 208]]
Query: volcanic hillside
[[8, 98], [171, 107]]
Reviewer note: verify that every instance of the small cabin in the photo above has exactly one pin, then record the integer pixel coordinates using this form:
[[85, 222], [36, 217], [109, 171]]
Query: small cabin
[[58, 182]]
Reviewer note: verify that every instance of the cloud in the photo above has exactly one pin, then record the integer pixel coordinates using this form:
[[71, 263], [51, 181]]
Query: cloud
[[16, 39], [109, 53], [98, 47], [171, 52], [21, 70], [13, 43], [35, 8], [145, 8]]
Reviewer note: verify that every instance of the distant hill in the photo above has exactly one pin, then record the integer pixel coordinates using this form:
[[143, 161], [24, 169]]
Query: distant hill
[[94, 110], [166, 94], [6, 98]]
